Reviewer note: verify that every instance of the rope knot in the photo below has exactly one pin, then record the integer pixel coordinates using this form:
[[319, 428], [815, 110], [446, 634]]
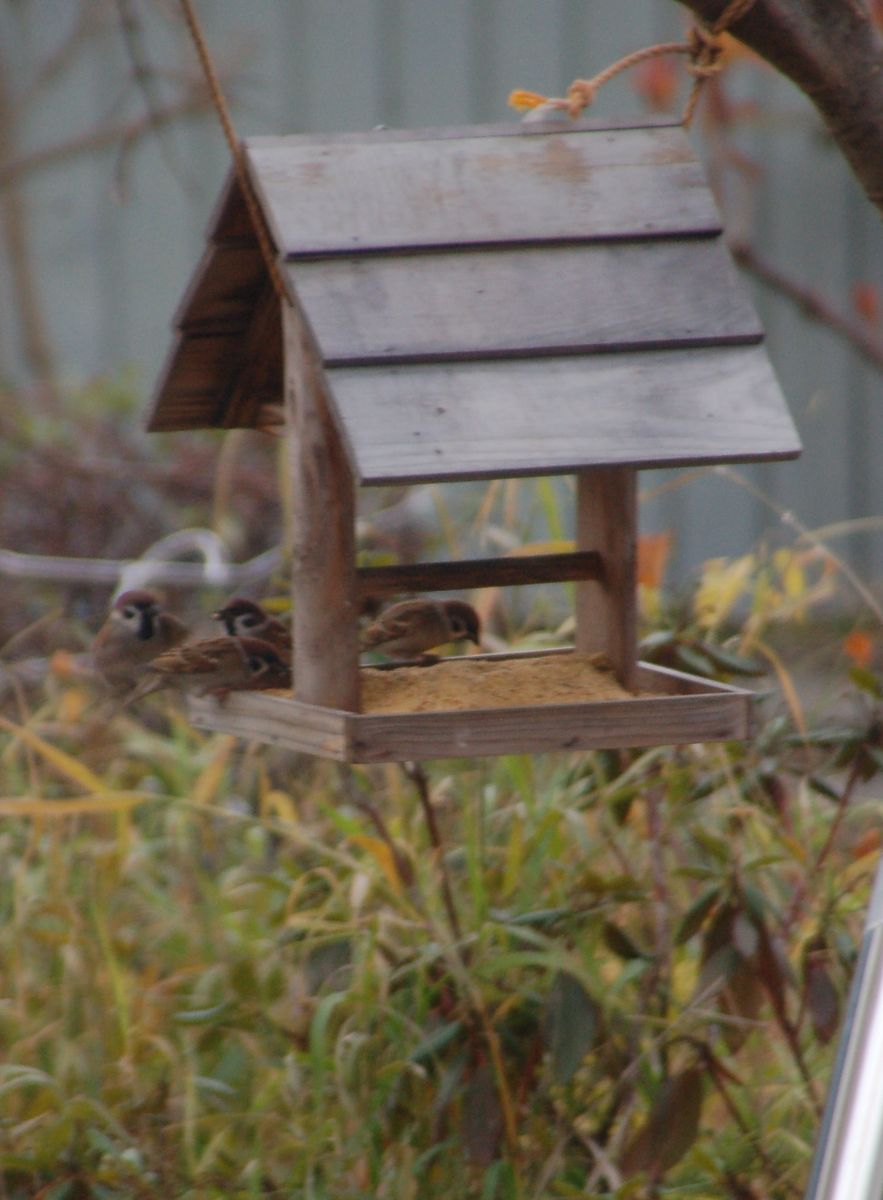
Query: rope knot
[[705, 52], [580, 95]]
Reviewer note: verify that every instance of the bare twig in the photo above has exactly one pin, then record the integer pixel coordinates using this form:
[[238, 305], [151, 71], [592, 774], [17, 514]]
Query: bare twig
[[417, 775], [87, 21], [146, 77], [360, 800], [23, 276], [800, 891], [111, 134], [810, 303]]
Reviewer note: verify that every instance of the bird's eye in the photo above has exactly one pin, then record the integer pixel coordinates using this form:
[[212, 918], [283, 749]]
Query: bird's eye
[[249, 620], [255, 664], [130, 611]]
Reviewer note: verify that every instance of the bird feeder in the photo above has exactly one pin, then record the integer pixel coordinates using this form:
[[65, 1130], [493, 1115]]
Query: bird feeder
[[475, 304]]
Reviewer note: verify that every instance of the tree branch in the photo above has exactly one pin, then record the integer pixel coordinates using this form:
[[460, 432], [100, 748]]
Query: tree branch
[[832, 52], [811, 303], [111, 134]]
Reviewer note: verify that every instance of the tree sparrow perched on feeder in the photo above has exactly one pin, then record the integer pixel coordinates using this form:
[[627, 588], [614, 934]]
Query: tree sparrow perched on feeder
[[411, 627], [246, 618], [135, 632], [216, 666]]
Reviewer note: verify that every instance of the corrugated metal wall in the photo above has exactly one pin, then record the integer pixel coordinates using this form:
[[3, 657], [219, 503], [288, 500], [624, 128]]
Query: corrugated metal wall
[[114, 236]]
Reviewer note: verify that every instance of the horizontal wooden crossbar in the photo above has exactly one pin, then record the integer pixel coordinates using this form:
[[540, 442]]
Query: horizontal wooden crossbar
[[511, 571]]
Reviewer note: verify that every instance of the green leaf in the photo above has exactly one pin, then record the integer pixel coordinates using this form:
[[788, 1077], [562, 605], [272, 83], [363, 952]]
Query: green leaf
[[499, 1182], [718, 969], [620, 943], [571, 1024], [244, 980], [657, 640], [866, 681], [319, 1050], [540, 916], [204, 1016], [694, 918], [717, 847], [823, 788], [670, 1129], [436, 1041], [694, 661], [756, 904], [734, 664]]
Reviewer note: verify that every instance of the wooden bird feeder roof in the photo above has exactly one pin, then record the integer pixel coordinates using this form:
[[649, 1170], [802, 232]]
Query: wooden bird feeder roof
[[468, 304], [494, 301]]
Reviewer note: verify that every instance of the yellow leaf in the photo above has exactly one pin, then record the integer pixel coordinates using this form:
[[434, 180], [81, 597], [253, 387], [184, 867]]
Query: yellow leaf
[[382, 854], [550, 546], [797, 848], [789, 690], [107, 802], [793, 579], [275, 803], [278, 605], [65, 763], [721, 585], [72, 704], [206, 786]]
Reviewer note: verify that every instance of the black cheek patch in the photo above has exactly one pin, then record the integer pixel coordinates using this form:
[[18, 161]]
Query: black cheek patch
[[145, 627]]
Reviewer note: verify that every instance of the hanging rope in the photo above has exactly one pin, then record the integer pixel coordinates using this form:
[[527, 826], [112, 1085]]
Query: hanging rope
[[237, 153], [703, 47]]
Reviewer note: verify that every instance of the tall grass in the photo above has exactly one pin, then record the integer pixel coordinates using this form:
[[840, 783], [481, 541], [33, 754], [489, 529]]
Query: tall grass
[[231, 971]]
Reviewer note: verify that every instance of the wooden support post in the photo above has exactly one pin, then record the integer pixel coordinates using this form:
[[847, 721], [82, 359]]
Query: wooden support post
[[606, 612], [326, 649]]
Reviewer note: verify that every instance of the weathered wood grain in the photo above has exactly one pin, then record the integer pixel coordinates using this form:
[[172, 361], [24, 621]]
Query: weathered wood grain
[[223, 290], [193, 382], [273, 719], [261, 371], [323, 551], [535, 730], [607, 609], [382, 194], [443, 133], [668, 682], [229, 220], [508, 571], [524, 301], [686, 709], [562, 415]]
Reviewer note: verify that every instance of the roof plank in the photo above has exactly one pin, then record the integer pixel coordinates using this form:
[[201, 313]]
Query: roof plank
[[408, 424], [458, 306], [341, 197]]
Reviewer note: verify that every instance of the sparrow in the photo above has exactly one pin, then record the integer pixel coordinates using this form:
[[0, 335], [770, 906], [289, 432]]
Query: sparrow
[[135, 632], [215, 666], [246, 618], [411, 627]]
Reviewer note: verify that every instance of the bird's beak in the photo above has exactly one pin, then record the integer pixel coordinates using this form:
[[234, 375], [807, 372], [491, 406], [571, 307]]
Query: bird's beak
[[145, 626]]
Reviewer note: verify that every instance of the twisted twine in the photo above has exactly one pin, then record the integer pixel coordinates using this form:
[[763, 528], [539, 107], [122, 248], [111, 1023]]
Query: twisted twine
[[703, 47]]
